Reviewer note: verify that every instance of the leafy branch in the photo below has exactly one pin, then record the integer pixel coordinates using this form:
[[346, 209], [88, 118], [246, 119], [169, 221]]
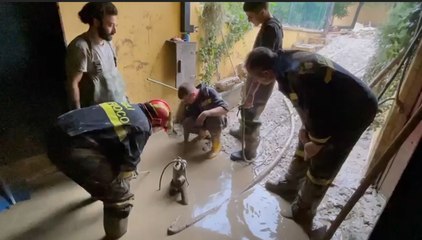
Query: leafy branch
[[216, 17]]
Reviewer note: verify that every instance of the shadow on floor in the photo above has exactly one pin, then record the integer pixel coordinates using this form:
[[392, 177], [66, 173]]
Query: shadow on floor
[[45, 226]]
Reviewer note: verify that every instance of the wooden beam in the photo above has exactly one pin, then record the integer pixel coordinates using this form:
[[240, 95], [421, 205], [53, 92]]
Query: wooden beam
[[398, 115]]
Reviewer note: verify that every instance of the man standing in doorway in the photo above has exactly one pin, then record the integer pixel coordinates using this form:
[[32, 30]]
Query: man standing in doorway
[[91, 62], [256, 95]]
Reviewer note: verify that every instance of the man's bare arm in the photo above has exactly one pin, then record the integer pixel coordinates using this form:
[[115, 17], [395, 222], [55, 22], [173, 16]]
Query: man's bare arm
[[73, 90]]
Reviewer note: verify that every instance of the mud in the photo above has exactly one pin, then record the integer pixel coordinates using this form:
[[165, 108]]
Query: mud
[[60, 209]]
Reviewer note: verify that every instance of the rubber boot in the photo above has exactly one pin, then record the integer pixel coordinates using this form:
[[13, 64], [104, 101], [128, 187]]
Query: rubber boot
[[216, 145], [236, 132], [306, 203], [246, 115], [288, 186], [115, 220], [251, 147]]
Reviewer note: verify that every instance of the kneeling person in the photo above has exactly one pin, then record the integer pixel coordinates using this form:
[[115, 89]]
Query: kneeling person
[[204, 110]]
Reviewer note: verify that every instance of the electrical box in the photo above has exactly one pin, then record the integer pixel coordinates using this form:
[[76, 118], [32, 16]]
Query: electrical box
[[184, 59]]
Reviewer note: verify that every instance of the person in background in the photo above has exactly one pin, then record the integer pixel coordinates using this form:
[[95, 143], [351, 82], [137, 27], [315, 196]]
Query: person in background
[[91, 61], [202, 110], [256, 95]]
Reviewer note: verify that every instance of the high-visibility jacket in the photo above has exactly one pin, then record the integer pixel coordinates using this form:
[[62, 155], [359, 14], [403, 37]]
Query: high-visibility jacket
[[120, 129]]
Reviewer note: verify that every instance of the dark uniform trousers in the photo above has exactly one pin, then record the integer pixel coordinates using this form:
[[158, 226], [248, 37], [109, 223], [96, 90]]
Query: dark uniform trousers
[[86, 164], [258, 95], [213, 124], [313, 177]]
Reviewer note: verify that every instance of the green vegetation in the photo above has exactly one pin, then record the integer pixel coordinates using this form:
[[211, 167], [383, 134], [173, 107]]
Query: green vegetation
[[394, 36], [215, 17]]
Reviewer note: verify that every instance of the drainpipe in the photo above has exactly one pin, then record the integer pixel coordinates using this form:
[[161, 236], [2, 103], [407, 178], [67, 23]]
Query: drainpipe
[[185, 26]]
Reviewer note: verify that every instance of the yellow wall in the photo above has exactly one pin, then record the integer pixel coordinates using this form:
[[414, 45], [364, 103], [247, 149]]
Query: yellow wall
[[244, 46], [374, 12], [293, 35], [142, 31], [347, 20]]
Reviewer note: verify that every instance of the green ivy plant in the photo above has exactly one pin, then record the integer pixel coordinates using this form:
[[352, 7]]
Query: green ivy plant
[[213, 46]]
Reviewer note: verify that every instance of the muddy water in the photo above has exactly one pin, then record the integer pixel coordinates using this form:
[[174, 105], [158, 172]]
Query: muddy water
[[59, 208]]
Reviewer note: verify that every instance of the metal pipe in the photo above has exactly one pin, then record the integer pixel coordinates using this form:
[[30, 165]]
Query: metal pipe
[[158, 82]]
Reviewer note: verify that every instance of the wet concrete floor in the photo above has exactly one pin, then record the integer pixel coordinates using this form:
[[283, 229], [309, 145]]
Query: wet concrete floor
[[60, 209]]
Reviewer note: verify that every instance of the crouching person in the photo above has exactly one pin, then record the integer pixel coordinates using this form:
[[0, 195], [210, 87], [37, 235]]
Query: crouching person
[[204, 111], [99, 148]]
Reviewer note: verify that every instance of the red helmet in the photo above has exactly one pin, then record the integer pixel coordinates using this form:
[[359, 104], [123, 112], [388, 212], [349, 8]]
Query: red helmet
[[160, 113]]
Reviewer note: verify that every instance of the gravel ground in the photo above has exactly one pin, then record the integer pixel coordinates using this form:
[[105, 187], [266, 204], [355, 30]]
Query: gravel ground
[[352, 51]]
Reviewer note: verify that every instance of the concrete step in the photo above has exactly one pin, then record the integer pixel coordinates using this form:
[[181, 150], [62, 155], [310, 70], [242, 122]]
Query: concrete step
[[317, 40], [307, 47]]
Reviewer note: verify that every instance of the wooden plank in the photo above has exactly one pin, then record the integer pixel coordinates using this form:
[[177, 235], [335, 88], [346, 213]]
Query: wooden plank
[[398, 116], [399, 162]]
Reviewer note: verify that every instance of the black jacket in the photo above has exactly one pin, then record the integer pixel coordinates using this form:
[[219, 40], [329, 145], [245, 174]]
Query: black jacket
[[270, 35], [120, 129], [329, 99]]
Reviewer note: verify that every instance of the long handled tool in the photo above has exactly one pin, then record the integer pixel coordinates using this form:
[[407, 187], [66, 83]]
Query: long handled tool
[[375, 171]]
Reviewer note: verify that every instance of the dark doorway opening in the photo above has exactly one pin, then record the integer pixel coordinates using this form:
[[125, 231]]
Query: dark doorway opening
[[32, 76], [401, 217]]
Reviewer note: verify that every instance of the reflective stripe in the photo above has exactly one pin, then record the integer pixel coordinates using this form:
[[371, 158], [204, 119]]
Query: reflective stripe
[[128, 174], [318, 140], [300, 153], [328, 75], [293, 97], [114, 119], [119, 204], [128, 106], [318, 181]]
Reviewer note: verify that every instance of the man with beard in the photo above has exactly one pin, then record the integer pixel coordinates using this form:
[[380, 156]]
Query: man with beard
[[91, 63]]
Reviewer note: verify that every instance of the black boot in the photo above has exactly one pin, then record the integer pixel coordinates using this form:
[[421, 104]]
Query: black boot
[[251, 145], [236, 133], [115, 220], [238, 156], [288, 187], [284, 189], [306, 203]]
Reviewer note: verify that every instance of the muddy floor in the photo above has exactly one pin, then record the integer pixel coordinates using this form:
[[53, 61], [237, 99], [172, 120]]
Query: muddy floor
[[60, 209], [352, 51]]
